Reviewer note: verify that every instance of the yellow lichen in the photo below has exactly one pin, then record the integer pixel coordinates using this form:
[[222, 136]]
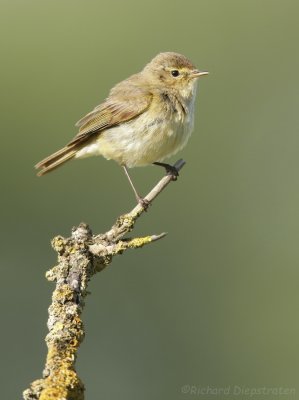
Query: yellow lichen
[[139, 242], [58, 243], [64, 293], [126, 220], [63, 379]]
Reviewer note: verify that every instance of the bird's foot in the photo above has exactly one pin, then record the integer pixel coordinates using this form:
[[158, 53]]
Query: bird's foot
[[170, 170]]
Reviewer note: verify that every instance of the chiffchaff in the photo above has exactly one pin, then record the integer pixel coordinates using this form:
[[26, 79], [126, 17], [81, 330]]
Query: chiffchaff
[[145, 118]]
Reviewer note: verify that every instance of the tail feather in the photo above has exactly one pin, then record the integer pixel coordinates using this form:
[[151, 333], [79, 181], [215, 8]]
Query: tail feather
[[55, 160]]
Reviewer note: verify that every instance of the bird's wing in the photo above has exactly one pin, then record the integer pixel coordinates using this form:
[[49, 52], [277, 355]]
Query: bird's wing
[[114, 111]]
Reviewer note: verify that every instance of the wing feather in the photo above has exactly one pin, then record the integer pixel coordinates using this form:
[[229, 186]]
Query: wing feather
[[114, 111], [126, 102]]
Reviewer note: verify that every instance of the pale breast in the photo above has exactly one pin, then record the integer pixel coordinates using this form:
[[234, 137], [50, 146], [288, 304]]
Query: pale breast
[[152, 136]]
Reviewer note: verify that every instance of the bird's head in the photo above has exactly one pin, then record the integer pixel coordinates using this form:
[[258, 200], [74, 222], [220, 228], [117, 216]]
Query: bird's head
[[173, 71]]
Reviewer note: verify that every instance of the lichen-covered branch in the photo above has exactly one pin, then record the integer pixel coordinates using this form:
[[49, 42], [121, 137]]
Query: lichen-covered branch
[[79, 258]]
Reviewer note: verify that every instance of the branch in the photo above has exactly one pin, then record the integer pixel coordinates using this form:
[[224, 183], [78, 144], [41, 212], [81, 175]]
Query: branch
[[80, 257]]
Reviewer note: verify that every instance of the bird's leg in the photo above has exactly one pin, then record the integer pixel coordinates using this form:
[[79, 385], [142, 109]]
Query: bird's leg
[[143, 202], [170, 170]]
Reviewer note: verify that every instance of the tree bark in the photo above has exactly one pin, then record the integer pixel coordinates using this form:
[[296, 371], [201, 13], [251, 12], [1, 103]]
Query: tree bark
[[80, 257]]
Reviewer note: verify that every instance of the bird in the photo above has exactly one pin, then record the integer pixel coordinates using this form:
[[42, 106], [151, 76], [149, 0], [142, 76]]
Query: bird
[[145, 119]]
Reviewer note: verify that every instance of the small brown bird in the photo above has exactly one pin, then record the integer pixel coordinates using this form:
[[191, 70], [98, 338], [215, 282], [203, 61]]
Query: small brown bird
[[145, 119]]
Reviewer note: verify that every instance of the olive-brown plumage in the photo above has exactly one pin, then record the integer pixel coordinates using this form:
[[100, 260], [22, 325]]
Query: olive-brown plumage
[[145, 118]]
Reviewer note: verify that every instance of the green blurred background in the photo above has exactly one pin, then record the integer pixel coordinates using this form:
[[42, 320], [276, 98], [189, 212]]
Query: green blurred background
[[214, 304]]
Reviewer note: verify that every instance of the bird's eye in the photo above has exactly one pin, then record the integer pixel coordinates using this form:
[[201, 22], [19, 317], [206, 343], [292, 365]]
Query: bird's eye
[[175, 73]]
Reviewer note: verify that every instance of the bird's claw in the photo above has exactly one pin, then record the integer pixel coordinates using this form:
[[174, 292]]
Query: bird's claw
[[172, 171]]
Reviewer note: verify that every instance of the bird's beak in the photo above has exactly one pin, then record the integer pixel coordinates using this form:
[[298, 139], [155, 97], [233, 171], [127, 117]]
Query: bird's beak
[[196, 73]]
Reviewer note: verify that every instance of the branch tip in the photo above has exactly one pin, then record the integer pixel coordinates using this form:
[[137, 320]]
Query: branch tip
[[158, 237]]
